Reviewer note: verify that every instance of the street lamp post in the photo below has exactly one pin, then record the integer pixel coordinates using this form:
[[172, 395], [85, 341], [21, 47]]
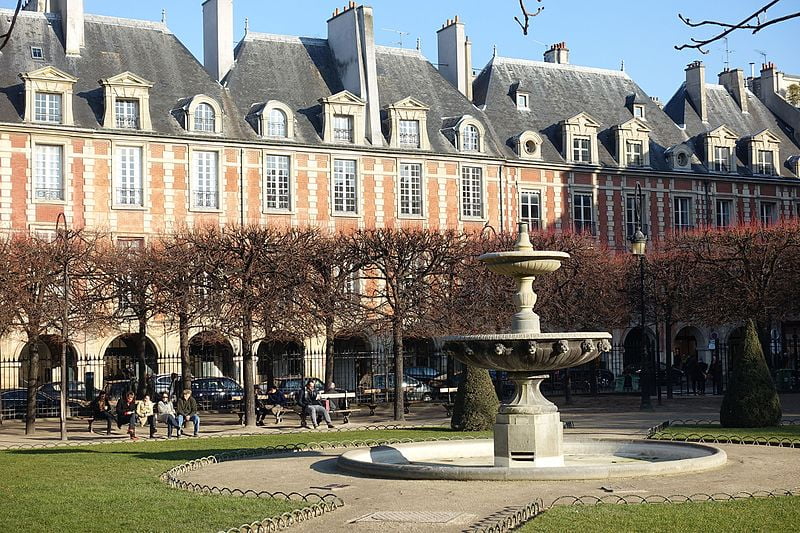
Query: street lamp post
[[638, 247], [63, 237]]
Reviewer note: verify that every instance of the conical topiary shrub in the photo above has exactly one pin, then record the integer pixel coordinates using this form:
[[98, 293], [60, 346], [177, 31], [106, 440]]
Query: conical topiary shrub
[[751, 399], [476, 402]]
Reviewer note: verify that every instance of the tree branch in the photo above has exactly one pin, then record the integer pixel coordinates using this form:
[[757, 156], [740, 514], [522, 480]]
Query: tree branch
[[7, 35], [527, 16]]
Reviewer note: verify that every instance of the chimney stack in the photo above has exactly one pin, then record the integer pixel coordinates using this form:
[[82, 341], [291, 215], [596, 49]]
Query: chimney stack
[[733, 81], [696, 88], [770, 80], [218, 37], [455, 56], [559, 53], [351, 38]]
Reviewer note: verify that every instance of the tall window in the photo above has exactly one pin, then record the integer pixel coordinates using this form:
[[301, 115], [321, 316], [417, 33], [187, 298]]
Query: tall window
[[633, 153], [129, 175], [277, 183], [630, 216], [49, 172], [724, 213], [471, 139], [206, 191], [276, 123], [682, 214], [343, 128], [411, 189], [722, 159], [764, 163], [409, 133], [345, 197], [48, 107], [581, 150], [768, 213], [127, 113], [583, 213], [204, 118], [472, 192], [530, 208]]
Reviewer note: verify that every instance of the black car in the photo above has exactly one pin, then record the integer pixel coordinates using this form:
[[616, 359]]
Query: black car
[[15, 403], [677, 374], [216, 393], [76, 390], [291, 386]]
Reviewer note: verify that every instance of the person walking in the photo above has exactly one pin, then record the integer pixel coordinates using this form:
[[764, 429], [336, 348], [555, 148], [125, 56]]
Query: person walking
[[310, 403], [186, 407], [166, 415], [691, 372], [715, 369], [701, 370], [126, 414], [175, 387], [101, 410]]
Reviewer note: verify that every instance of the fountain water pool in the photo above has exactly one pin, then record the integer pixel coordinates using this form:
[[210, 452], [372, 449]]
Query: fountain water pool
[[528, 434]]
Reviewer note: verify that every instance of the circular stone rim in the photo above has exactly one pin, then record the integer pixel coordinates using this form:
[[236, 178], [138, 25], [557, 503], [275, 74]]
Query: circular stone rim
[[714, 458]]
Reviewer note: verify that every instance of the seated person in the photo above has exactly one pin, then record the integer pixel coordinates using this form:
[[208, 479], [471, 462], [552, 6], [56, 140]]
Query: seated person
[[101, 410], [146, 414], [126, 414], [311, 404], [187, 410], [275, 403], [166, 415], [261, 410]]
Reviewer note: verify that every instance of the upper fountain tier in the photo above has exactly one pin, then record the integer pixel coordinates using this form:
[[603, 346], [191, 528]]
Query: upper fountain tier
[[523, 261]]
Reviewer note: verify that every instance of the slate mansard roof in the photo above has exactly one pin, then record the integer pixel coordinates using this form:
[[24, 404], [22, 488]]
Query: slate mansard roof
[[723, 110], [560, 91], [112, 46]]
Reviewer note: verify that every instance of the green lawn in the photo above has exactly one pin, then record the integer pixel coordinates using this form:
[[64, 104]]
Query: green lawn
[[116, 487], [772, 514], [683, 431]]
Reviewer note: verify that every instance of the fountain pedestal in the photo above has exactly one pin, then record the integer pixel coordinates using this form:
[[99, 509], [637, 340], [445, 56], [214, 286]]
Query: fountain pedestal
[[528, 431]]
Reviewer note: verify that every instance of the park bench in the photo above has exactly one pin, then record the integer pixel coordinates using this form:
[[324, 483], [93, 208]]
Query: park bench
[[448, 403], [373, 401], [344, 410]]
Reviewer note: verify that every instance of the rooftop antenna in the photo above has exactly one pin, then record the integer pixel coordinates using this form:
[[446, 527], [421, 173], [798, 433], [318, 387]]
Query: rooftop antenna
[[494, 50], [763, 56], [419, 44], [400, 34], [622, 65], [246, 25], [164, 16], [727, 54]]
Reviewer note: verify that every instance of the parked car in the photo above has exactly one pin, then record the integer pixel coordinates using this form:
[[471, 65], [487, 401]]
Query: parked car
[[415, 388], [216, 393], [677, 374], [15, 403], [424, 374], [76, 390], [290, 386]]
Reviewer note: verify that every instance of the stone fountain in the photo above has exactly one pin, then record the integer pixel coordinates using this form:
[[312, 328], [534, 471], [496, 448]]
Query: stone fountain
[[528, 430], [528, 434]]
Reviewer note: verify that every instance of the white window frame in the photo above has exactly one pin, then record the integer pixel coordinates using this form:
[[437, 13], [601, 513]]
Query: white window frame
[[579, 223], [409, 133], [579, 150], [718, 212], [123, 120], [51, 107], [638, 111], [406, 189], [534, 223], [472, 183], [340, 120], [195, 190], [634, 158], [44, 186], [762, 166], [471, 138], [722, 160], [278, 129], [345, 192], [275, 171], [773, 207], [682, 220], [119, 181], [205, 118], [523, 101], [630, 215]]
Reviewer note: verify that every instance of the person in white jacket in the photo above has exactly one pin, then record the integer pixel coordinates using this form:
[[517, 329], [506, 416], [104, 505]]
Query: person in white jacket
[[166, 415]]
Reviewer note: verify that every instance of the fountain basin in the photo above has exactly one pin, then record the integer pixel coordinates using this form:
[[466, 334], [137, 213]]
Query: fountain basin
[[519, 263], [525, 352], [583, 459]]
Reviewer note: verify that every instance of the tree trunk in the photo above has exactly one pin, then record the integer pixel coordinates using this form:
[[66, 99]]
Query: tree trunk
[[247, 370], [329, 347], [33, 384], [141, 355], [186, 362], [399, 391]]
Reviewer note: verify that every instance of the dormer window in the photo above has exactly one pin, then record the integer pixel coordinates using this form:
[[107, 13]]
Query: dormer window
[[127, 102], [343, 118], [580, 139], [48, 107], [127, 114], [638, 111], [522, 101], [633, 153], [408, 124], [205, 118], [48, 96], [679, 157], [764, 163], [276, 123], [343, 128], [633, 143], [471, 139], [763, 148], [722, 159], [720, 147], [528, 145], [37, 53]]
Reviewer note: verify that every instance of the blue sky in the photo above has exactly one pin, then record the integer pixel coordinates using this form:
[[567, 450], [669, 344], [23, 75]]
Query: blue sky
[[598, 33]]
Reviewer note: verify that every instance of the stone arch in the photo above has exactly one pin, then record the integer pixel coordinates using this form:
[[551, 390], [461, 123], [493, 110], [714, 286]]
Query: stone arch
[[121, 363], [211, 355], [277, 359], [689, 341], [635, 343], [49, 361]]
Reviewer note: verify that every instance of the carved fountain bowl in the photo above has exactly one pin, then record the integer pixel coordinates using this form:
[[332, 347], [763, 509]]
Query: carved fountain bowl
[[528, 352], [523, 263]]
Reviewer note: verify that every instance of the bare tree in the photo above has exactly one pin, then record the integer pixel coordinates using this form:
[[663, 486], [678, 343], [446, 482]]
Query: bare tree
[[755, 22], [406, 271]]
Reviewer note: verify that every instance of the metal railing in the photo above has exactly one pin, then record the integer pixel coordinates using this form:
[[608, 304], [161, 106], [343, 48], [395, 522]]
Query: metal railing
[[49, 194], [128, 196], [207, 199]]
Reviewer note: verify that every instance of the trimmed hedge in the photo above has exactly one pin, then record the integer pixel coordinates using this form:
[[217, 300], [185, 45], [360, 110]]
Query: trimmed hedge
[[476, 402]]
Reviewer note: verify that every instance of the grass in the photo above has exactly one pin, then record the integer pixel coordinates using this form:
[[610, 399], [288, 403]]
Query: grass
[[683, 431], [770, 514], [116, 487]]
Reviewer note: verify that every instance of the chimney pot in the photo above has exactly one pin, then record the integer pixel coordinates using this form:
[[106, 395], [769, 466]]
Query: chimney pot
[[696, 88], [557, 53]]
